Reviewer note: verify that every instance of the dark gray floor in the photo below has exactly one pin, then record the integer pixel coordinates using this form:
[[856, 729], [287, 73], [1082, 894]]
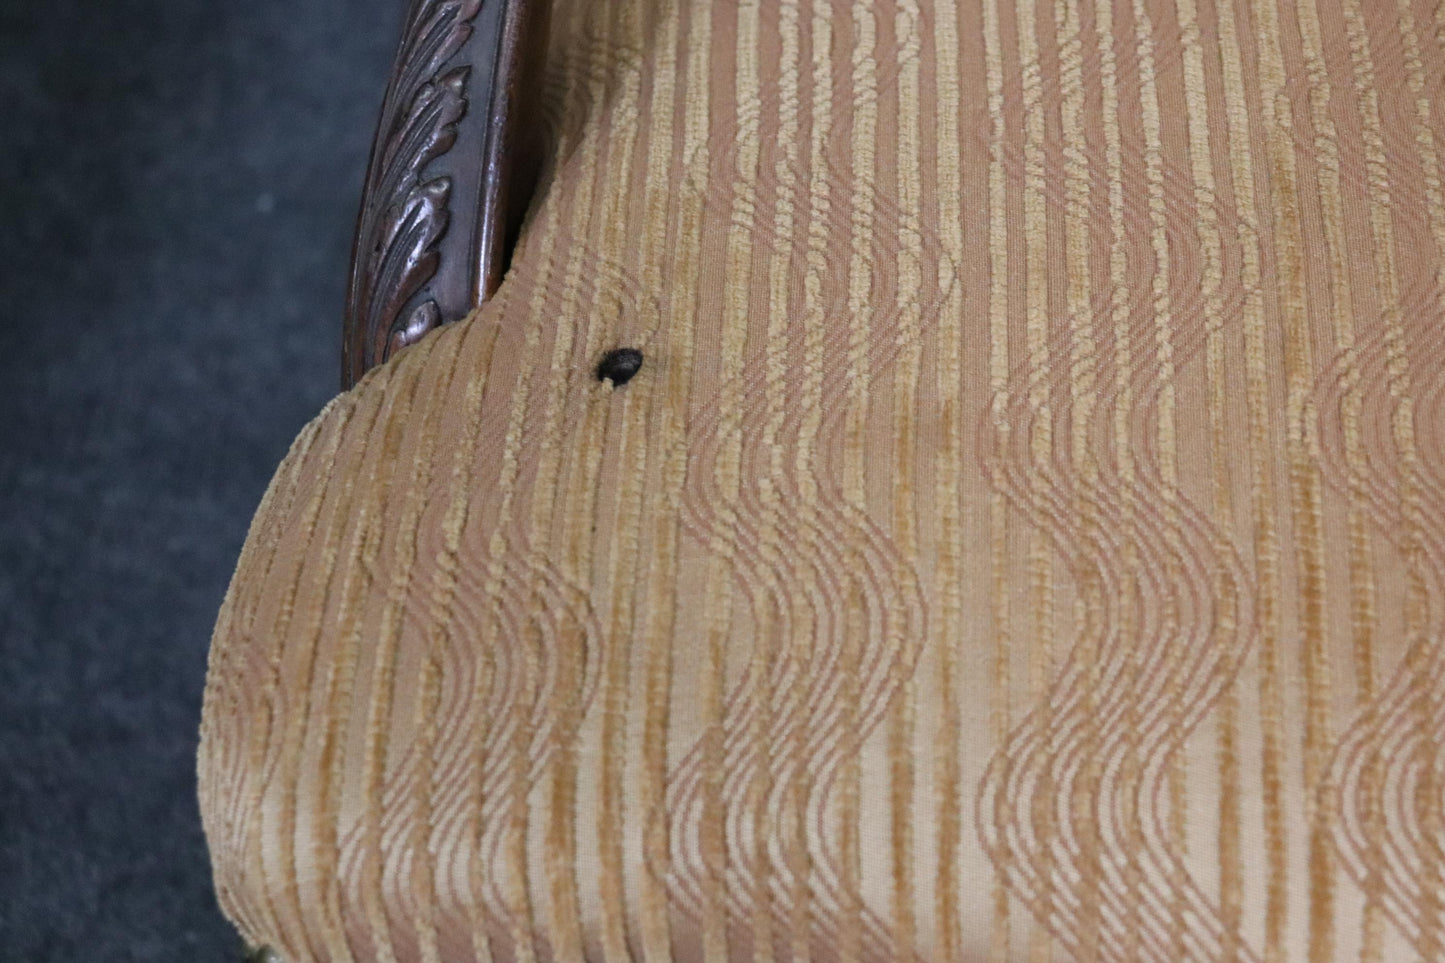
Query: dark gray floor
[[178, 181]]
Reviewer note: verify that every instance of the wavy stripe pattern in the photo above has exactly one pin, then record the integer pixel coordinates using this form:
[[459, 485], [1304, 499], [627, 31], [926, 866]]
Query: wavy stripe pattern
[[1024, 540]]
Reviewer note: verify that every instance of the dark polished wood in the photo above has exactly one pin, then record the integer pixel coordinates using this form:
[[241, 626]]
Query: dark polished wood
[[456, 157]]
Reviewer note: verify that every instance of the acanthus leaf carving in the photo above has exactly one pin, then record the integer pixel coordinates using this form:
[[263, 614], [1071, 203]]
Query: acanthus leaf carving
[[452, 168], [405, 214]]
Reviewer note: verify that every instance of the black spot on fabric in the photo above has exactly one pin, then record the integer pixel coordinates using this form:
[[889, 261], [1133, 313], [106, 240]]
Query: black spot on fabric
[[619, 365]]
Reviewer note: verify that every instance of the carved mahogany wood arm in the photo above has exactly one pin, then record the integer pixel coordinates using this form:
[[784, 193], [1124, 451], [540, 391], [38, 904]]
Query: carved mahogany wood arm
[[455, 160]]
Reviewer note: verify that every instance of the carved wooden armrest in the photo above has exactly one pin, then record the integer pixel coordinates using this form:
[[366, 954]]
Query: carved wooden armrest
[[453, 166]]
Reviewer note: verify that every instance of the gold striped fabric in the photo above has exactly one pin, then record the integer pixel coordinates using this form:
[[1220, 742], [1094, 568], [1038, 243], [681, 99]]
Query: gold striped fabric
[[1024, 540]]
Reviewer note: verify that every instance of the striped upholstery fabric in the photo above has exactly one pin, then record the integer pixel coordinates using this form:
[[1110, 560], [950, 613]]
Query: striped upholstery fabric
[[1024, 540]]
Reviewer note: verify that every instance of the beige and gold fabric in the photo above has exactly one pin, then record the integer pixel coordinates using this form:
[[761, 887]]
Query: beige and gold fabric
[[1024, 540]]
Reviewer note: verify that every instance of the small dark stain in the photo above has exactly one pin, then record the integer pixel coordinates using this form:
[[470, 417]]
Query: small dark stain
[[619, 365]]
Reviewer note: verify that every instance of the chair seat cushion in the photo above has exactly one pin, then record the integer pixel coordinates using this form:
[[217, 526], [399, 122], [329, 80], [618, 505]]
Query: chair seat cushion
[[1022, 538]]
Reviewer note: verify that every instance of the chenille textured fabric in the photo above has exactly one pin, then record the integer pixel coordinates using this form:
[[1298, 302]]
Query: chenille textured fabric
[[1024, 539]]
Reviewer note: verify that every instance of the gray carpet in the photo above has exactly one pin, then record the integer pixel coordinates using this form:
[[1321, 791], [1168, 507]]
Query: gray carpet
[[178, 182]]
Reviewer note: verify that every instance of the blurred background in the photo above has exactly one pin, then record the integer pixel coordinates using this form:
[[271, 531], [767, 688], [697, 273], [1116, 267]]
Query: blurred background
[[178, 185]]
